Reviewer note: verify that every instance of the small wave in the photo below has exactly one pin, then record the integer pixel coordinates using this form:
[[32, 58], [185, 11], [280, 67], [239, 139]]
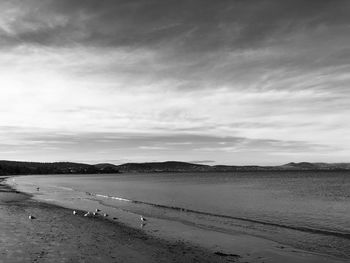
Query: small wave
[[261, 222], [113, 197], [65, 188], [56, 186]]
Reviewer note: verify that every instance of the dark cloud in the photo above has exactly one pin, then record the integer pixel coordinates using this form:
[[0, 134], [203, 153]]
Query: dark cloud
[[199, 42], [191, 24]]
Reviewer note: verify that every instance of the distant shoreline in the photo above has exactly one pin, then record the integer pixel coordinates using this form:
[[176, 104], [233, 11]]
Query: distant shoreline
[[27, 168]]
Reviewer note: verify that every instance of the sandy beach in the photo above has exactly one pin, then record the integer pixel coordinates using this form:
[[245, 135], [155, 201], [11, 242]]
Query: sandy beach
[[56, 235]]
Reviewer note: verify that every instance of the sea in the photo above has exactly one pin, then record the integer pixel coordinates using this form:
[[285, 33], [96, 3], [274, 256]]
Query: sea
[[306, 211]]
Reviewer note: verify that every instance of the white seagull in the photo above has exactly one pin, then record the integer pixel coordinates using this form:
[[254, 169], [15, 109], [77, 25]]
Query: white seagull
[[74, 212], [105, 215], [31, 217], [143, 219], [87, 214]]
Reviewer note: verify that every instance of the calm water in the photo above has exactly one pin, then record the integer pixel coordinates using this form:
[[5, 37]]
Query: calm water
[[309, 211]]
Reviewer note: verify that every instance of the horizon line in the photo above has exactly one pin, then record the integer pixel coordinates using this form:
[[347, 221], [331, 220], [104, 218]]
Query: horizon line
[[189, 162]]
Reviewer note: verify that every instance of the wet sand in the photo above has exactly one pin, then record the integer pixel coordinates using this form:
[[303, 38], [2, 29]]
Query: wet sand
[[56, 235]]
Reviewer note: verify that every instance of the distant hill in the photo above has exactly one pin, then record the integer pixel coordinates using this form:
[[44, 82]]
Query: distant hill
[[23, 168], [317, 166], [16, 168], [185, 167], [106, 168], [163, 167], [190, 167]]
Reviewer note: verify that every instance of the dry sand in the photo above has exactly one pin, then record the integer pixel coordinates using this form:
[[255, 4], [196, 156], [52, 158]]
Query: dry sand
[[56, 235]]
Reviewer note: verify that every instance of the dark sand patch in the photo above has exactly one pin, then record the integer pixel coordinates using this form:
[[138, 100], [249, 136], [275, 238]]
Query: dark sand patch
[[56, 235], [8, 195]]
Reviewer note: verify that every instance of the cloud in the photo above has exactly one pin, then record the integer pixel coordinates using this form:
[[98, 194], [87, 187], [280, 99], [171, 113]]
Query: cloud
[[140, 147], [271, 75], [208, 162], [244, 43], [156, 148], [198, 24]]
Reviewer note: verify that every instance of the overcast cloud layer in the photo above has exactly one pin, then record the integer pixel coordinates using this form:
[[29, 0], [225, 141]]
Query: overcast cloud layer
[[231, 82]]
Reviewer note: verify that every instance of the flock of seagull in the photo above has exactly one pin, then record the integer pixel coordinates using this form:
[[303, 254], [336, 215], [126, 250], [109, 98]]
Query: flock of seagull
[[96, 213]]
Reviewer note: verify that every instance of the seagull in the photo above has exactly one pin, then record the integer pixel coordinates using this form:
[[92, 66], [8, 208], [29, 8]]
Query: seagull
[[31, 217], [74, 212], [94, 213], [87, 214], [97, 210], [143, 219], [105, 215]]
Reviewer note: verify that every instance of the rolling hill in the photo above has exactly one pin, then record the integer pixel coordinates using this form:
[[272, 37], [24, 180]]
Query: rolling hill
[[25, 168]]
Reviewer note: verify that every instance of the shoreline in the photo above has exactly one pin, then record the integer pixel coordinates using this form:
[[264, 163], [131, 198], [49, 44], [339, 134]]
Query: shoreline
[[56, 235], [153, 246]]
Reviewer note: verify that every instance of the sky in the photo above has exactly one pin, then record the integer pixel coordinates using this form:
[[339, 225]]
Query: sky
[[214, 82]]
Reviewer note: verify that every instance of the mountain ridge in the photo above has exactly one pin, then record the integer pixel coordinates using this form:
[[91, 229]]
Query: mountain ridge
[[26, 168]]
